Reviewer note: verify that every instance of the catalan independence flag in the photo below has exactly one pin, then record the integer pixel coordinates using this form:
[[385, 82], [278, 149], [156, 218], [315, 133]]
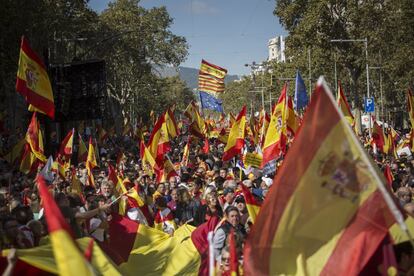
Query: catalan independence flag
[[211, 78], [33, 82], [329, 210]]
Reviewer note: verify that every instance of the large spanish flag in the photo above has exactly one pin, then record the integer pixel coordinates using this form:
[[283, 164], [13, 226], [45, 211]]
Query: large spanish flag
[[69, 259], [33, 82], [276, 135], [235, 142], [327, 210]]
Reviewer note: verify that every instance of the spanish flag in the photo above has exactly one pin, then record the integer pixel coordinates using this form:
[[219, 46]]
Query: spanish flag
[[34, 138], [159, 142], [33, 82], [276, 135], [252, 204], [166, 172], [172, 128], [197, 124], [28, 162], [328, 210], [223, 136], [41, 260], [235, 142], [148, 159], [91, 162], [186, 152], [379, 138], [66, 147], [292, 123], [343, 105], [69, 259], [82, 151]]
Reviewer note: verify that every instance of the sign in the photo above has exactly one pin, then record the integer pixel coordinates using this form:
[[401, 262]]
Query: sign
[[369, 104], [253, 159]]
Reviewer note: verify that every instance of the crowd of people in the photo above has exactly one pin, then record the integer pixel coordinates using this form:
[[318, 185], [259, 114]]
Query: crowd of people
[[203, 188]]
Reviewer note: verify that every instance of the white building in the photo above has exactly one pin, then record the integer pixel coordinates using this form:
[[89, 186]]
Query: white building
[[277, 49]]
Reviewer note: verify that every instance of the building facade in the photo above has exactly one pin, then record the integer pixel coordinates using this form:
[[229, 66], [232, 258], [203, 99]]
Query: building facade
[[276, 48]]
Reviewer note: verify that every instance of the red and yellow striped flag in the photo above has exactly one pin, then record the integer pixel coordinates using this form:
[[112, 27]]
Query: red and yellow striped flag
[[275, 140], [211, 78], [328, 210], [33, 82], [235, 142], [69, 259]]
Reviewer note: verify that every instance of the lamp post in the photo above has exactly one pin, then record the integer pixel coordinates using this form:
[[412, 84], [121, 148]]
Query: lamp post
[[365, 40], [381, 94], [254, 67]]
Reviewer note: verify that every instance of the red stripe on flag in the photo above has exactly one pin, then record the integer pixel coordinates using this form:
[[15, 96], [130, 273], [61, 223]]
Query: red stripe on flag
[[199, 239], [35, 99], [361, 238], [212, 65], [25, 47], [233, 151]]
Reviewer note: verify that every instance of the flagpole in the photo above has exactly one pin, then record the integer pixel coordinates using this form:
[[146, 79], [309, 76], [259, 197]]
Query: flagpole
[[211, 270]]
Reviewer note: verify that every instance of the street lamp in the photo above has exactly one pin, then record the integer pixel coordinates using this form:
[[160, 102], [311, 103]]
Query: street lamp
[[381, 95], [254, 66], [365, 40]]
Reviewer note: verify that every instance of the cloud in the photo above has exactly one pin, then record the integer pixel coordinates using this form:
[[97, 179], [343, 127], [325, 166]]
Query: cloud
[[200, 7]]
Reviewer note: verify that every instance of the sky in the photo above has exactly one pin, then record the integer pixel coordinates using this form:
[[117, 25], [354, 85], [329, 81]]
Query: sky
[[228, 33]]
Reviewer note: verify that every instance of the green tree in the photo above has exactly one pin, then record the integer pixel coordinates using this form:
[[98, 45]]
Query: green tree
[[137, 39]]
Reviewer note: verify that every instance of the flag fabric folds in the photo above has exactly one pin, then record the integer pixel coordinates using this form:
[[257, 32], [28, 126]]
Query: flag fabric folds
[[252, 204], [301, 96], [42, 258], [276, 135], [159, 142], [69, 259], [91, 163], [235, 141], [197, 124], [210, 102], [211, 77], [343, 105], [326, 174], [33, 82]]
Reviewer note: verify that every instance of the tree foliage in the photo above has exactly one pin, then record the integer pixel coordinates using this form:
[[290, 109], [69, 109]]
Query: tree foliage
[[130, 38], [386, 24]]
